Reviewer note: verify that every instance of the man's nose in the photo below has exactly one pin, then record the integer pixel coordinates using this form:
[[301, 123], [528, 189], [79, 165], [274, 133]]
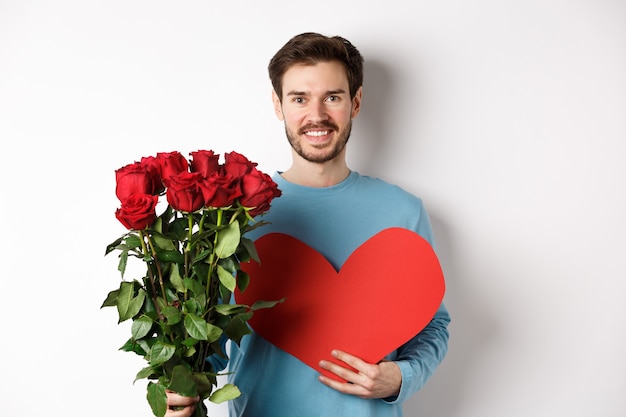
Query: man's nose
[[317, 111]]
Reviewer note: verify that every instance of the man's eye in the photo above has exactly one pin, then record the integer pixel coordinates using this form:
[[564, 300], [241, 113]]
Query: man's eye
[[298, 100], [332, 98]]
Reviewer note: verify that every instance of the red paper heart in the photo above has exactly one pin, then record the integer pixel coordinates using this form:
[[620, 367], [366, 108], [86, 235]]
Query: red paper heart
[[386, 292]]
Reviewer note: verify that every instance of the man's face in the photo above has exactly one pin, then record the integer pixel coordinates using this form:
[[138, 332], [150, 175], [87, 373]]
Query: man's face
[[317, 110]]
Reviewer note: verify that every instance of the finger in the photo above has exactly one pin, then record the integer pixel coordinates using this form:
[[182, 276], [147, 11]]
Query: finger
[[342, 372], [343, 387], [179, 405], [175, 399], [354, 362], [185, 412]]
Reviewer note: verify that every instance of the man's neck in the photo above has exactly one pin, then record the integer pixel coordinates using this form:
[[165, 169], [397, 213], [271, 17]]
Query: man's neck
[[317, 175]]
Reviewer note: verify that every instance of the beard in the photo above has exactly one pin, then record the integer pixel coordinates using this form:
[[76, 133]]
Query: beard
[[330, 153]]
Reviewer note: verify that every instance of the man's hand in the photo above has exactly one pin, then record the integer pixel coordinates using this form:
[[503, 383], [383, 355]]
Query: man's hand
[[179, 406], [380, 380]]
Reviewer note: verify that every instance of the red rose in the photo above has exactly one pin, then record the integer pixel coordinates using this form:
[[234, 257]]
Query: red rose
[[136, 178], [220, 190], [258, 191], [154, 168], [205, 162], [237, 165], [172, 163], [138, 211], [184, 192]]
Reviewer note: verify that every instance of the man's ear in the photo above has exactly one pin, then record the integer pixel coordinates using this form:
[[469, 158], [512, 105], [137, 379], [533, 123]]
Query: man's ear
[[356, 103], [278, 108]]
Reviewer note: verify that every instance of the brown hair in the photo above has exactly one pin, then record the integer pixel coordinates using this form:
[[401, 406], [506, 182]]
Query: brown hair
[[309, 49]]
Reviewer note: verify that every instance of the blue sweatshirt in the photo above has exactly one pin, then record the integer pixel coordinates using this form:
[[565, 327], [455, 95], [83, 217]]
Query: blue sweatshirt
[[334, 221]]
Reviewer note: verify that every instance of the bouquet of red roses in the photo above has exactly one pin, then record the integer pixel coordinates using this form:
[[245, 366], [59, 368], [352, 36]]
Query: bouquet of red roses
[[180, 308]]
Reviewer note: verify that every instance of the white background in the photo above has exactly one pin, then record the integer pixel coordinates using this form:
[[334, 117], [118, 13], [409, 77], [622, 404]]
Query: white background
[[507, 117]]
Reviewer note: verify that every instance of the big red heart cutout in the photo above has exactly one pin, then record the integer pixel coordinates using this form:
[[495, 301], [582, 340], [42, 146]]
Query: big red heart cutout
[[386, 292]]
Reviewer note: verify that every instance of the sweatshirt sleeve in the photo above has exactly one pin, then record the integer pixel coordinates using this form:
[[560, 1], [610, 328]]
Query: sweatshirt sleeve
[[420, 356]]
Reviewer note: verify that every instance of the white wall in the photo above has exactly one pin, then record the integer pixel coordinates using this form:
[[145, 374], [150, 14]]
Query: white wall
[[507, 117]]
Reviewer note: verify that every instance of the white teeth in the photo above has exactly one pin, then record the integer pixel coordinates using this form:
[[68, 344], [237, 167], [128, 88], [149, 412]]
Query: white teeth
[[317, 133]]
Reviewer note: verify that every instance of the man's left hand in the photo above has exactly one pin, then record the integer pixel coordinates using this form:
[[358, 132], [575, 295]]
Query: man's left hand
[[364, 379]]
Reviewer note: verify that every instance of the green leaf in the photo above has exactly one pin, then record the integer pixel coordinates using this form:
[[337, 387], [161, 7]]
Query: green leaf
[[135, 347], [248, 244], [170, 256], [228, 240], [142, 347], [157, 226], [172, 314], [231, 264], [243, 280], [225, 294], [227, 309], [226, 393], [157, 398], [141, 326], [133, 241], [194, 285], [129, 304], [161, 353], [196, 327], [265, 304], [112, 246], [193, 306], [190, 342], [111, 300], [121, 266], [182, 381], [237, 329], [202, 256], [163, 243], [161, 303], [199, 329], [176, 279], [145, 373], [245, 316], [226, 278], [213, 332], [178, 228], [201, 272], [204, 384]]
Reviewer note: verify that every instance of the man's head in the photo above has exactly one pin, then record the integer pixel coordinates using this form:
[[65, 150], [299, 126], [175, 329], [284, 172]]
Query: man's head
[[317, 92], [311, 48]]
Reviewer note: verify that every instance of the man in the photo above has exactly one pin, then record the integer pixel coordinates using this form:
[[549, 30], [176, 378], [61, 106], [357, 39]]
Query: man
[[317, 91]]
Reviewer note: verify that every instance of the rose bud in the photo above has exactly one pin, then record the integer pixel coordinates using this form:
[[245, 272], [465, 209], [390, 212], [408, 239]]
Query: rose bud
[[205, 162]]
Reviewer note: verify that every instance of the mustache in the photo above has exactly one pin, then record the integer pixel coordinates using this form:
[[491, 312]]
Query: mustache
[[322, 125]]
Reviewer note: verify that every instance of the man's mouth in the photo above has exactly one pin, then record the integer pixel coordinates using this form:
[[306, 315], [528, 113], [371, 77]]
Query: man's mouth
[[317, 133], [318, 130]]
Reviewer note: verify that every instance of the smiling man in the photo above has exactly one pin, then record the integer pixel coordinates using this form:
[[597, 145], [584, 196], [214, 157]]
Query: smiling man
[[317, 92], [317, 110]]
